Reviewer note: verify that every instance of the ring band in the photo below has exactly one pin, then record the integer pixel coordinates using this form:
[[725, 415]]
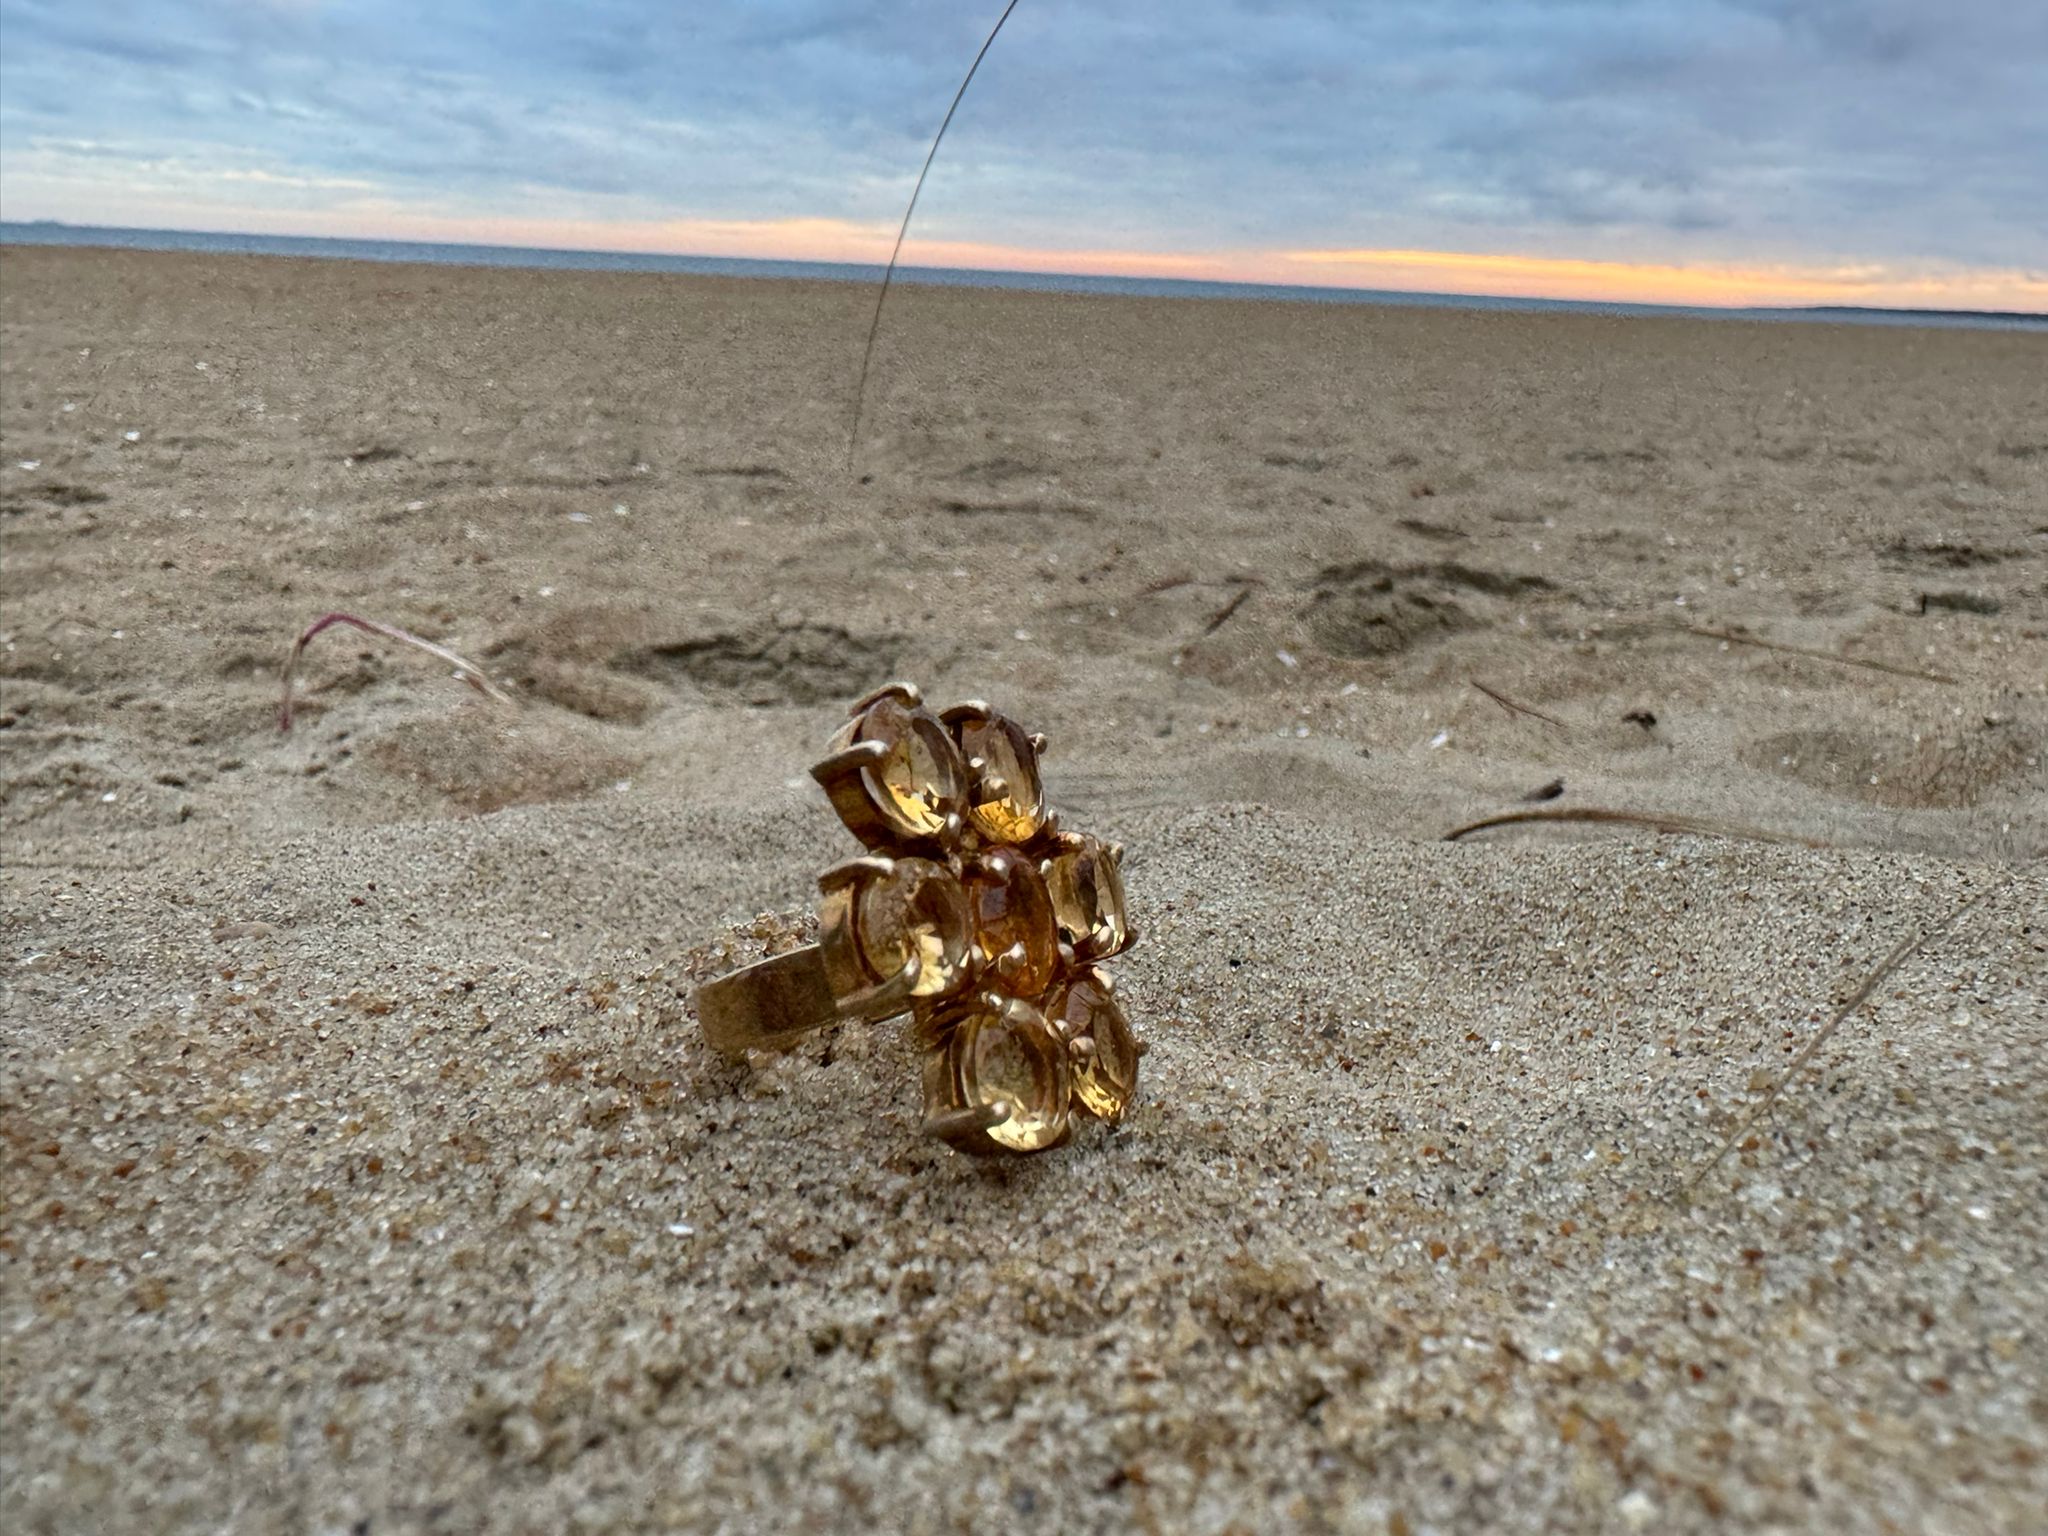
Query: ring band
[[974, 913], [768, 1005]]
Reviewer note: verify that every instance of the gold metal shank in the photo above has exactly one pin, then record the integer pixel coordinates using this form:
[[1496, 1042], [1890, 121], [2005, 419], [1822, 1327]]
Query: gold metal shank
[[769, 1005]]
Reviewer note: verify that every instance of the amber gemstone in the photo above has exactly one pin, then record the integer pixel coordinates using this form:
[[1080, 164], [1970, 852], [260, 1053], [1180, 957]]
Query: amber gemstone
[[1007, 804], [921, 780], [1013, 1056], [919, 909], [1087, 892], [1105, 1077], [1013, 921]]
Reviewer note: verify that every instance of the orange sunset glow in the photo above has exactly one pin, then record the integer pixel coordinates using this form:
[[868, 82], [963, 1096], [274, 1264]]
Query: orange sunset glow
[[1702, 284]]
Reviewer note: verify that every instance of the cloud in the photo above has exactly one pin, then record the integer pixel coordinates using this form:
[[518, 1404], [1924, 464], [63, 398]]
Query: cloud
[[1741, 132]]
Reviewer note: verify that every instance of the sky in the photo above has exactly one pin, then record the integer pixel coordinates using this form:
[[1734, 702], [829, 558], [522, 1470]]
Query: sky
[[1889, 152]]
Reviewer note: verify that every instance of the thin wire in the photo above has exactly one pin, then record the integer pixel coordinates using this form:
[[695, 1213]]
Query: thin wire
[[867, 357]]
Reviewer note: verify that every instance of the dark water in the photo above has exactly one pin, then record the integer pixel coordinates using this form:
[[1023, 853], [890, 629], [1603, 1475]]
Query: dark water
[[949, 277]]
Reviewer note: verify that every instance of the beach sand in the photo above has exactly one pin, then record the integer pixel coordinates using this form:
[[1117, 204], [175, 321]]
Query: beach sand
[[362, 1170]]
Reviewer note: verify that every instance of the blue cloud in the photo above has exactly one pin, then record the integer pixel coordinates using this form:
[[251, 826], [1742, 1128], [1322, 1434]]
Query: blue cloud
[[1753, 129]]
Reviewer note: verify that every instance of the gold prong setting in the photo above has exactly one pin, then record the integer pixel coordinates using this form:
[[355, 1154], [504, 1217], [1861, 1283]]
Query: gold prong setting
[[895, 775], [1004, 1052], [854, 871], [908, 693], [893, 930], [965, 1128], [861, 754], [1006, 797], [1085, 880], [1086, 1013], [977, 915]]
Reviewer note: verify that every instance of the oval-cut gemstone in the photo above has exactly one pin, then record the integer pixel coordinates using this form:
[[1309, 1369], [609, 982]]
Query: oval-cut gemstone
[[1087, 892], [921, 780], [1105, 1077], [1013, 921], [919, 909], [1014, 1057], [1007, 803]]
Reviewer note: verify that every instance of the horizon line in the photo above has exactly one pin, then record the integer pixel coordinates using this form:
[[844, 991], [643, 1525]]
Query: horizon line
[[1726, 288]]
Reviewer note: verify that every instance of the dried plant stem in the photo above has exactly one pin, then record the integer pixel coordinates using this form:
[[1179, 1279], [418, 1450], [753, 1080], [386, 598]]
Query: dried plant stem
[[1901, 952], [1222, 615], [1514, 708], [465, 669], [867, 356], [1705, 632], [1656, 822]]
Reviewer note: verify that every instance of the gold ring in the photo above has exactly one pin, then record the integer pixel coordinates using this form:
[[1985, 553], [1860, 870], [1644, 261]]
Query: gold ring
[[974, 913]]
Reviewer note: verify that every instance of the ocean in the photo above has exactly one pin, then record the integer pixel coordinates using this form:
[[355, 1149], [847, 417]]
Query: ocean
[[46, 233]]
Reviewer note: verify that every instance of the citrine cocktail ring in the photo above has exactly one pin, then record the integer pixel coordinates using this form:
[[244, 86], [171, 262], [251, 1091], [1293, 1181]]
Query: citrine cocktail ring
[[973, 913]]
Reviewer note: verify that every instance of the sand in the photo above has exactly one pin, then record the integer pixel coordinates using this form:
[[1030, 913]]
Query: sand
[[362, 1170]]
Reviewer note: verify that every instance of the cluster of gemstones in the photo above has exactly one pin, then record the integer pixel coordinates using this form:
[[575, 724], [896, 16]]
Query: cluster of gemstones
[[977, 915]]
